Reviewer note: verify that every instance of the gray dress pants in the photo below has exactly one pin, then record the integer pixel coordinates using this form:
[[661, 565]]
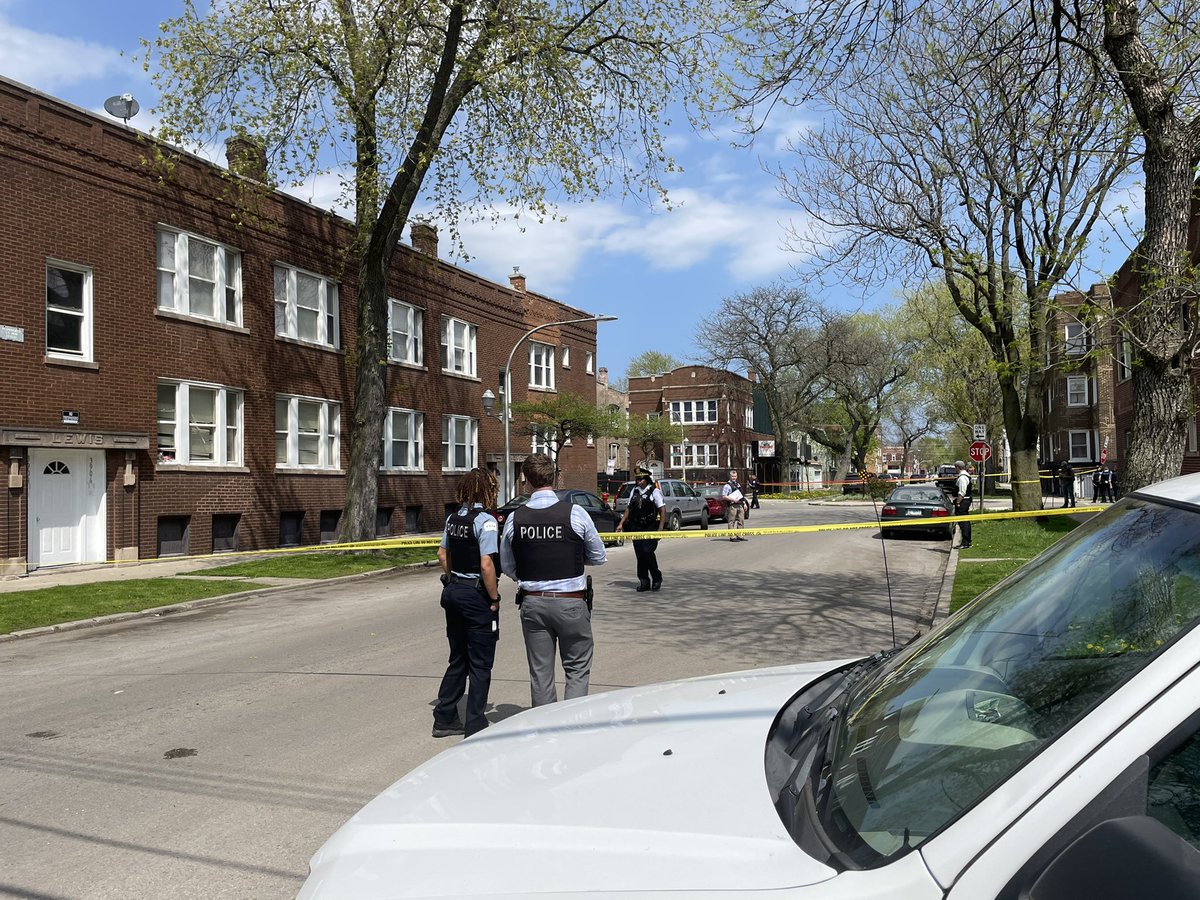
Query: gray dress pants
[[564, 622]]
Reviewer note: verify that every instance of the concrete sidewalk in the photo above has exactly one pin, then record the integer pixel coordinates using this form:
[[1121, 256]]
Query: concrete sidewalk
[[57, 576]]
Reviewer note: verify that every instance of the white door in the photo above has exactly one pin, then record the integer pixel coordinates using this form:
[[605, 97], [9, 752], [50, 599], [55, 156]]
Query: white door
[[66, 507]]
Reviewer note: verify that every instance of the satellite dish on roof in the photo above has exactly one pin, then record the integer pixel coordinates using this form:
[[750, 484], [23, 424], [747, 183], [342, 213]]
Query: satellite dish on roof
[[122, 106]]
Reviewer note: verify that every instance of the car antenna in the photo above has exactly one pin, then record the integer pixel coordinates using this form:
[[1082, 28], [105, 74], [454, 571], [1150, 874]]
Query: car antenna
[[887, 575]]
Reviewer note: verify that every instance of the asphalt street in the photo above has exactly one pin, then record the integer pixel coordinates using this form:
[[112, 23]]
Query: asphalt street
[[207, 754]]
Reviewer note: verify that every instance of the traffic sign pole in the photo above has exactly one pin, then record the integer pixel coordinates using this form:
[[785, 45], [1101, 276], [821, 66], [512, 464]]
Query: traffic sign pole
[[980, 451]]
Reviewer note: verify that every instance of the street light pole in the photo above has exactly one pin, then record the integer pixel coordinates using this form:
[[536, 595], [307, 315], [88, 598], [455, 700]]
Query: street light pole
[[507, 413]]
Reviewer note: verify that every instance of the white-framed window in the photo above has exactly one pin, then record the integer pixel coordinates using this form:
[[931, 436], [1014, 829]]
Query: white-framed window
[[1049, 401], [541, 440], [1080, 445], [199, 277], [404, 440], [589, 362], [199, 424], [1077, 390], [307, 433], [1075, 339], [693, 411], [406, 324], [1124, 359], [748, 420], [695, 456], [460, 441], [458, 347], [1192, 448], [306, 306], [68, 311], [541, 366], [566, 357]]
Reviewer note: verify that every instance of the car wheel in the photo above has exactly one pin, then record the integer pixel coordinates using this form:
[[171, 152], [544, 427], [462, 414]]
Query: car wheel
[[675, 521], [704, 520]]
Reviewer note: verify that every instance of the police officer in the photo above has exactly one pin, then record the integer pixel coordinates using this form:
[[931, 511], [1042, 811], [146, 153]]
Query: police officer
[[471, 599], [545, 545], [962, 502], [645, 513]]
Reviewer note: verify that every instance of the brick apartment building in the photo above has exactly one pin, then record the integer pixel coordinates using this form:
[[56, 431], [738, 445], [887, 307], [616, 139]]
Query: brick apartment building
[[714, 409], [1078, 411], [178, 371], [612, 452]]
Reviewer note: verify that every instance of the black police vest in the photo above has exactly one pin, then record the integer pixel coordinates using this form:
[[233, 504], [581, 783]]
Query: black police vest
[[462, 543], [545, 546], [643, 514]]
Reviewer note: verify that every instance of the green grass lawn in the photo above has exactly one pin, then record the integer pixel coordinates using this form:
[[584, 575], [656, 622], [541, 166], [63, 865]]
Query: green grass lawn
[[329, 564], [51, 606], [1006, 545]]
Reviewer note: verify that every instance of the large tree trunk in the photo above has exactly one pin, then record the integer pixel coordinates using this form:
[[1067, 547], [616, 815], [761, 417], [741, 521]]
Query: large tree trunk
[[1161, 405], [370, 399], [1162, 337], [1022, 429]]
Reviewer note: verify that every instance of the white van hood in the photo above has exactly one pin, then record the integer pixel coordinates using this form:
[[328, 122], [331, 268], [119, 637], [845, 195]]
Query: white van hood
[[657, 788]]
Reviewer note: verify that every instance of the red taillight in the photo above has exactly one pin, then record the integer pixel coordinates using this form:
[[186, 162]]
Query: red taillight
[[940, 512], [890, 510]]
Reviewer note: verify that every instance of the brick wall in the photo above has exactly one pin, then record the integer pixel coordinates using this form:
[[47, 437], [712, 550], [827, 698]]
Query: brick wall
[[82, 192]]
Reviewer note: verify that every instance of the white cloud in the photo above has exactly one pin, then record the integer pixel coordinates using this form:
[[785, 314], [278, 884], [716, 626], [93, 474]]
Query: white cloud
[[50, 63], [741, 236]]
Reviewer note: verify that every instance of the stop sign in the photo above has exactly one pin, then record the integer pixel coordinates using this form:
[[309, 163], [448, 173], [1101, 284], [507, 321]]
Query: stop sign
[[980, 450]]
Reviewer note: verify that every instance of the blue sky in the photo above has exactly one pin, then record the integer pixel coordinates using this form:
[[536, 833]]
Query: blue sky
[[659, 271]]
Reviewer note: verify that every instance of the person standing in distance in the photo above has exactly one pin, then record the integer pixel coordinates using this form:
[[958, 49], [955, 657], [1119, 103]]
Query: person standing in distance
[[1066, 475], [645, 513], [545, 545], [753, 486], [735, 505], [471, 599], [962, 502]]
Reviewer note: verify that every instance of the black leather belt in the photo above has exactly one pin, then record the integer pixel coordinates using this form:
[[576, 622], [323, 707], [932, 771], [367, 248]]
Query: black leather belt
[[465, 579]]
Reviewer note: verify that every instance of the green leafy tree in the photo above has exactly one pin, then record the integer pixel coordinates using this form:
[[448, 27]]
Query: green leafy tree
[[459, 102], [650, 435], [652, 362], [558, 419]]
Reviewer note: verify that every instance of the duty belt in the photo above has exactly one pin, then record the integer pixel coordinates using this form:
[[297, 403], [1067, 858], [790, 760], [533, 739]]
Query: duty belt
[[464, 579]]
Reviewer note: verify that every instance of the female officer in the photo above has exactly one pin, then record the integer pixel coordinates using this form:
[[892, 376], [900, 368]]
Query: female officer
[[469, 556]]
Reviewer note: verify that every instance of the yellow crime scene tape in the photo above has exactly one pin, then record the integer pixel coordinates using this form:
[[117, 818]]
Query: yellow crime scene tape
[[846, 526], [434, 541]]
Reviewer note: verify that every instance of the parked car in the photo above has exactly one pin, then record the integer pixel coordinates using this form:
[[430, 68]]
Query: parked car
[[1043, 742], [712, 497], [924, 502], [684, 505], [604, 517]]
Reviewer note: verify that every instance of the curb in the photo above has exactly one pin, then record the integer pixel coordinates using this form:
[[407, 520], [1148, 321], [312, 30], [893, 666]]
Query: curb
[[187, 606], [941, 597]]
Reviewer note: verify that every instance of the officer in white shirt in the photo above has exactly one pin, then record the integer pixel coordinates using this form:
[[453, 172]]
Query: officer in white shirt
[[962, 502]]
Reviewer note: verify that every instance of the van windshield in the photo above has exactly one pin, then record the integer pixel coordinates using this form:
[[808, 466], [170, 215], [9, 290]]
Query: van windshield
[[936, 727]]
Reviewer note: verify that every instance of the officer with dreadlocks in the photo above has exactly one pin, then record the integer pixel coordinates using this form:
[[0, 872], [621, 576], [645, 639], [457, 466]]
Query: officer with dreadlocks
[[645, 513], [469, 555]]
